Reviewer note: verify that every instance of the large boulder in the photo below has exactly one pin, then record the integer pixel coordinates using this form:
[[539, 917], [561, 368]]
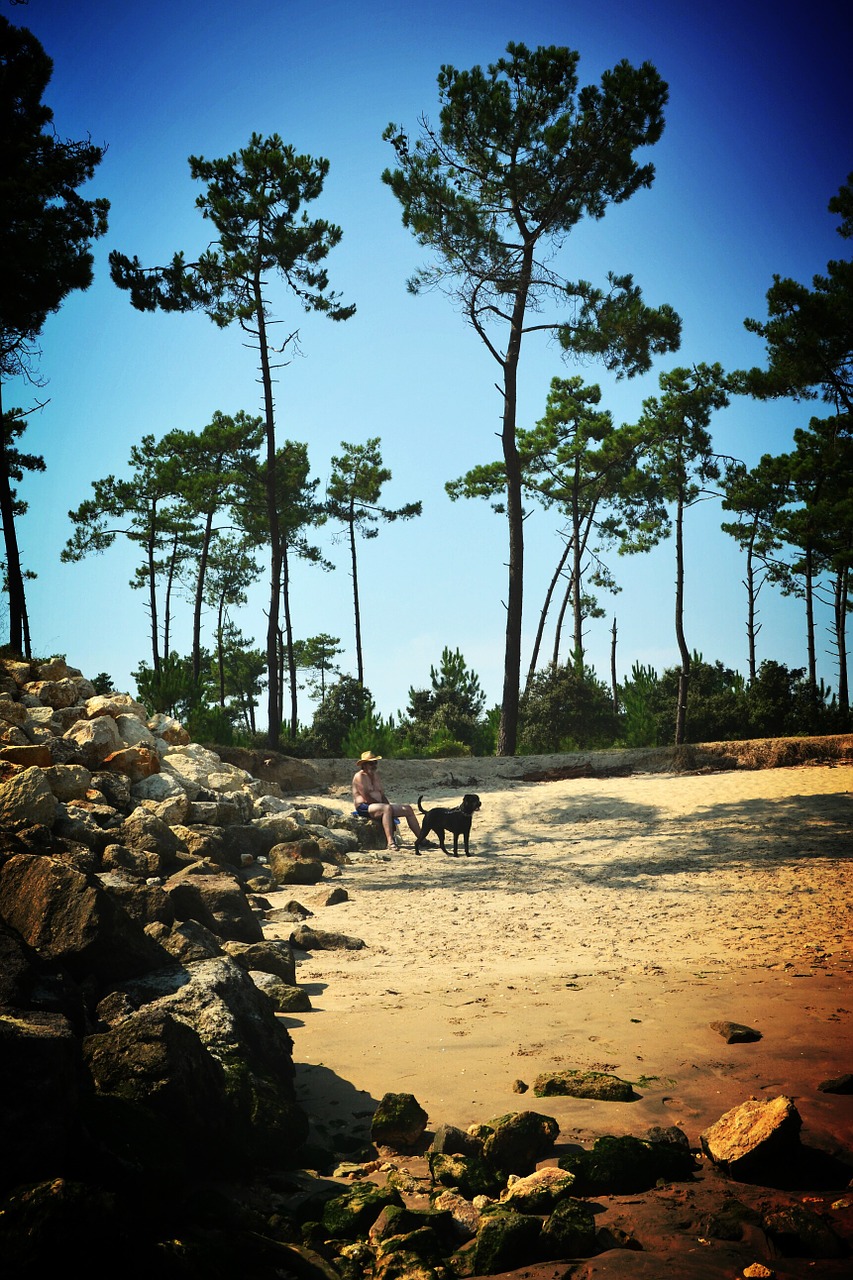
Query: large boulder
[[238, 1025], [167, 1094], [751, 1137], [269, 766], [26, 800], [94, 739], [68, 916], [519, 1140], [215, 898]]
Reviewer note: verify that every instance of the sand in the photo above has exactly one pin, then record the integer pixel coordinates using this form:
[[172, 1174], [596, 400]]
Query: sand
[[603, 924]]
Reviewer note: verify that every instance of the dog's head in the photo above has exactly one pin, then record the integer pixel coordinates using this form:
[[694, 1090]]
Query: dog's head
[[470, 803]]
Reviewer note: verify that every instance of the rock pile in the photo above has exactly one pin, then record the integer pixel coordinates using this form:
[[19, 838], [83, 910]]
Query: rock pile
[[139, 1043]]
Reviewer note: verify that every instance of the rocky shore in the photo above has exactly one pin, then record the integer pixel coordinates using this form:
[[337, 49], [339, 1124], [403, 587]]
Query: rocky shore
[[151, 933]]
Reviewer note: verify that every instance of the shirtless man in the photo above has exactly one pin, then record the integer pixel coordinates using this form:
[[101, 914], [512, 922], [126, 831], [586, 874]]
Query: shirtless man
[[370, 800]]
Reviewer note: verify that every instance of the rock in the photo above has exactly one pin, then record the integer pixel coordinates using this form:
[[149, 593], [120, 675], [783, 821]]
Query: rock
[[453, 1141], [294, 863], [133, 730], [838, 1084], [136, 763], [464, 1216], [285, 997], [538, 1192], [583, 1084], [88, 823], [569, 1232], [334, 897], [145, 903], [12, 712], [188, 941], [518, 1140], [144, 832], [798, 1233], [353, 1214], [626, 1165], [68, 781], [398, 1122], [237, 1024], [26, 800], [115, 705], [469, 1175], [215, 898], [289, 774], [269, 956], [168, 1097], [69, 917], [27, 755], [53, 693], [506, 1241], [95, 739], [117, 857], [168, 730], [753, 1134], [308, 939], [735, 1032]]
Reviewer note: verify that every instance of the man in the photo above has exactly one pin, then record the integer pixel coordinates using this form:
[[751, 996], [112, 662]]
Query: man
[[370, 800]]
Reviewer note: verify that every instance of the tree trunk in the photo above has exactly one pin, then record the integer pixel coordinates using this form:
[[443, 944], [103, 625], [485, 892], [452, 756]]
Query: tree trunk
[[199, 593], [684, 674], [358, 654], [508, 730], [577, 593], [840, 603], [18, 628], [561, 617], [273, 685], [810, 630], [614, 684], [288, 634], [549, 595], [152, 592], [751, 595]]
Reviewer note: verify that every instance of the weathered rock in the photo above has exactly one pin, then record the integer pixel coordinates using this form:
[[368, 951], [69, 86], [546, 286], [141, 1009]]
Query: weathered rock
[[308, 939], [117, 857], [626, 1165], [353, 1214], [289, 774], [54, 693], [145, 903], [137, 763], [68, 781], [238, 1025], [838, 1084], [187, 942], [94, 739], [12, 712], [70, 917], [749, 1136], [168, 1096], [27, 754], [115, 705], [269, 956], [398, 1122], [518, 1140], [735, 1032], [159, 787], [26, 800], [798, 1233], [86, 822], [454, 1141], [538, 1192], [505, 1241], [144, 832], [469, 1175], [296, 863], [285, 997], [215, 898], [569, 1232], [133, 730], [115, 790], [464, 1216], [583, 1084], [168, 730]]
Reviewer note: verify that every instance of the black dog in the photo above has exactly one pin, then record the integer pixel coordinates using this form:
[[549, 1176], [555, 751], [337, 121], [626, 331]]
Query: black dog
[[457, 820]]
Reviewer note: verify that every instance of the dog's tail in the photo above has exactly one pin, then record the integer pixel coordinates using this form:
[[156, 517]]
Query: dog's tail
[[420, 806]]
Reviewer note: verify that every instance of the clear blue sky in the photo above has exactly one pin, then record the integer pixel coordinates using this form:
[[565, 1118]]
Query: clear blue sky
[[757, 140]]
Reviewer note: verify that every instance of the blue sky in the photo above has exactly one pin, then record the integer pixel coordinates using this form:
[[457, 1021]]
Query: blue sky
[[756, 142]]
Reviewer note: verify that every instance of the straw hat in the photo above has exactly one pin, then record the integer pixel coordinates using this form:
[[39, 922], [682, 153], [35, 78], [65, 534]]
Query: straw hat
[[367, 757]]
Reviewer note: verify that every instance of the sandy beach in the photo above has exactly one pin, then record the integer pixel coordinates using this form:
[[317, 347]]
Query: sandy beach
[[600, 923]]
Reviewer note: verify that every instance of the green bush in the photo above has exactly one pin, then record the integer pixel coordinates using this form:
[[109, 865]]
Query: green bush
[[566, 710]]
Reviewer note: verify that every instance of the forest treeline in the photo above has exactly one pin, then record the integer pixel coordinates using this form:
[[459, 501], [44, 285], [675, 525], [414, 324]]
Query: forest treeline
[[521, 155]]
